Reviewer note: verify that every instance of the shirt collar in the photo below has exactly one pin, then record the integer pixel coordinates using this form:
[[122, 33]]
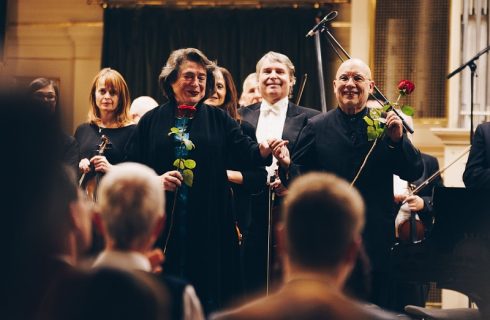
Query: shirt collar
[[280, 107], [123, 260]]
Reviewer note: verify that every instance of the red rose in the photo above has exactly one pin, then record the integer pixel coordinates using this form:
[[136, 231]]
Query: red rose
[[184, 111], [405, 87]]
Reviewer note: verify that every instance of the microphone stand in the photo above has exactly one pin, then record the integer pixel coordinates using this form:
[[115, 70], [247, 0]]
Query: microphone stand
[[334, 43], [472, 65]]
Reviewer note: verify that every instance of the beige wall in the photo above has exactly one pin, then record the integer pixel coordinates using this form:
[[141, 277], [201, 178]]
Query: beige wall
[[56, 39]]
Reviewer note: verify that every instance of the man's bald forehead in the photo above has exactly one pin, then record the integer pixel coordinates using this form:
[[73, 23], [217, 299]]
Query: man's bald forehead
[[354, 64]]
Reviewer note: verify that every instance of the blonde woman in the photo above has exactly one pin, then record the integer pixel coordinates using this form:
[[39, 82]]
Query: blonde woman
[[108, 115]]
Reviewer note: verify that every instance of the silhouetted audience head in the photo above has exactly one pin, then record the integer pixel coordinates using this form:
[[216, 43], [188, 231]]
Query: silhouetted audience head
[[68, 217], [131, 205], [30, 161], [323, 217], [107, 294]]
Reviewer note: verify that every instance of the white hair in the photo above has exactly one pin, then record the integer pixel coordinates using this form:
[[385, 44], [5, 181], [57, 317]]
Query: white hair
[[131, 201], [142, 105]]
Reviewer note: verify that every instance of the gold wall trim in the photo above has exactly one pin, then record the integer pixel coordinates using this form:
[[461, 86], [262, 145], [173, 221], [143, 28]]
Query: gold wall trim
[[211, 4], [58, 25]]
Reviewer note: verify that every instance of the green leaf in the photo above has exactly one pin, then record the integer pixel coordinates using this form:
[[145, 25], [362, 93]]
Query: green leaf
[[173, 130], [408, 110], [386, 107], [368, 120], [179, 163], [371, 133], [189, 163], [188, 144], [188, 177]]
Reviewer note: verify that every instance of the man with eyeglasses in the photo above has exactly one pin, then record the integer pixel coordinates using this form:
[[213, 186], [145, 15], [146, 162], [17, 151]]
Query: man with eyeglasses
[[337, 142]]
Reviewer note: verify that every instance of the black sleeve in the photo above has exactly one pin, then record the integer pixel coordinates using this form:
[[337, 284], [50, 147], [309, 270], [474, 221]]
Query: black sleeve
[[426, 194], [254, 178], [407, 161], [477, 172], [242, 146], [302, 156], [134, 148]]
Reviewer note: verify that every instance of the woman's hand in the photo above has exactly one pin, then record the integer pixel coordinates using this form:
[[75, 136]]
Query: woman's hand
[[101, 164], [171, 180], [280, 151], [234, 176], [84, 165]]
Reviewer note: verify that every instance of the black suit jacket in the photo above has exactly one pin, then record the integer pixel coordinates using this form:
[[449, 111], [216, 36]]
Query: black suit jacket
[[337, 143], [477, 172], [296, 118]]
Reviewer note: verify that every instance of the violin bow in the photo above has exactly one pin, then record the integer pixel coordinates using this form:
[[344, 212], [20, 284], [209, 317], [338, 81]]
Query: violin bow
[[301, 88]]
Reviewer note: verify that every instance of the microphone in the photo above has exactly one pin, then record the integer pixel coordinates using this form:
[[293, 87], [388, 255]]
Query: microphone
[[329, 17]]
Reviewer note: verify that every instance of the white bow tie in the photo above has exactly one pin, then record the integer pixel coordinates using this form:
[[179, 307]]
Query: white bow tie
[[268, 109]]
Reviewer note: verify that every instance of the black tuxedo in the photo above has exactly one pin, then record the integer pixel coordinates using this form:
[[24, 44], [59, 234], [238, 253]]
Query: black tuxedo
[[296, 119], [255, 249], [477, 172]]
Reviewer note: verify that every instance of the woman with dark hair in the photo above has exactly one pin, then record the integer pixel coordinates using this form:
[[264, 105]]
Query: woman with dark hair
[[108, 115], [243, 180], [46, 91], [188, 144]]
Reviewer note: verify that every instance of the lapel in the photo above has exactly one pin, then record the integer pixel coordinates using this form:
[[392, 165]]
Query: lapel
[[252, 116], [295, 121]]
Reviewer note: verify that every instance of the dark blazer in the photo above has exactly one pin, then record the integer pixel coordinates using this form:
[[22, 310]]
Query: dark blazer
[[477, 172], [337, 143], [296, 118]]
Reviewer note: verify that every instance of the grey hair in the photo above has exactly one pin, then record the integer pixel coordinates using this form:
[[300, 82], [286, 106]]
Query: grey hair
[[281, 58], [131, 200], [170, 71]]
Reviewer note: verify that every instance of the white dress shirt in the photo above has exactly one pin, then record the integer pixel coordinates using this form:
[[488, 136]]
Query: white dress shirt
[[271, 124]]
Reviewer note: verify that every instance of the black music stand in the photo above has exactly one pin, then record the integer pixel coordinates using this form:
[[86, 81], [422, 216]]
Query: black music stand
[[472, 65]]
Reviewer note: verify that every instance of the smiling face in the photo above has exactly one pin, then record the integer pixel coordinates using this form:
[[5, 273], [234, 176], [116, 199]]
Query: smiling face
[[106, 96], [190, 86], [275, 82], [217, 99], [352, 85]]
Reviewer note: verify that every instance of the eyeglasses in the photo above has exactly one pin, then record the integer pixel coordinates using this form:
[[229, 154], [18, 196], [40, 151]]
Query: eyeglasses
[[357, 78], [190, 76], [48, 96]]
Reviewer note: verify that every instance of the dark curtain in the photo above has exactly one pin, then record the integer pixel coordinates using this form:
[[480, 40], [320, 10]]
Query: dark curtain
[[138, 41]]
